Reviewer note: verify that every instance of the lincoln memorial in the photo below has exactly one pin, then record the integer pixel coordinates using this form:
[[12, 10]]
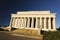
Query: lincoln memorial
[[36, 20]]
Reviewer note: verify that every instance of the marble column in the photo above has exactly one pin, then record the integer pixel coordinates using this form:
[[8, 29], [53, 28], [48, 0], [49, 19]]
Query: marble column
[[32, 23], [28, 22], [19, 22], [24, 22], [36, 25], [41, 22], [15, 21], [44, 22], [54, 23], [49, 23], [38, 22], [12, 21]]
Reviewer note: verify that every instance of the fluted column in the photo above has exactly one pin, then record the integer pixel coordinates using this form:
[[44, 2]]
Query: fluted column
[[15, 22], [24, 22], [45, 23], [12, 21], [38, 22], [19, 23], [32, 23], [28, 22], [49, 23], [36, 25], [41, 22], [54, 23]]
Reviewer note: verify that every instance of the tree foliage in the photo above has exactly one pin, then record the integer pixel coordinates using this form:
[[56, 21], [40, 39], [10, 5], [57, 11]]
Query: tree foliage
[[51, 35]]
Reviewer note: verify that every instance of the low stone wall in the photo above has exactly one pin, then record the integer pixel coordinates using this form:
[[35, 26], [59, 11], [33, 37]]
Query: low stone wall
[[5, 28]]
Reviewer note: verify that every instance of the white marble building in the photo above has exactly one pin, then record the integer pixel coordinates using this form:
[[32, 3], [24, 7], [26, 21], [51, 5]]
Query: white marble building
[[43, 20]]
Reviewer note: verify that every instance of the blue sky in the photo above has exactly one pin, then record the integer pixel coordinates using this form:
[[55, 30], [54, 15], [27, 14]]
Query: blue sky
[[11, 6]]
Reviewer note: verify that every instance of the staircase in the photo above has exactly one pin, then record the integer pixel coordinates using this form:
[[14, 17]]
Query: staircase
[[28, 32]]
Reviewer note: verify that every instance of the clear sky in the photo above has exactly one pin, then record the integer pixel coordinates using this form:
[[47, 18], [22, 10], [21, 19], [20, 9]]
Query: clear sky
[[11, 6]]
